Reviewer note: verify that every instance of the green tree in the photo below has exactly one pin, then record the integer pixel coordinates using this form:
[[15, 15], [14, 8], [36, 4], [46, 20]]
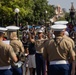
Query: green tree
[[40, 8], [30, 10], [7, 8]]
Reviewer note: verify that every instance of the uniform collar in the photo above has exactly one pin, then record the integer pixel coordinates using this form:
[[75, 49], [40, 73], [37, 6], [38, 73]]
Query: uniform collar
[[59, 37]]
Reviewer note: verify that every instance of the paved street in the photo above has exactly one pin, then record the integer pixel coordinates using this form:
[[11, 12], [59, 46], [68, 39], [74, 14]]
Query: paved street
[[28, 71], [24, 71]]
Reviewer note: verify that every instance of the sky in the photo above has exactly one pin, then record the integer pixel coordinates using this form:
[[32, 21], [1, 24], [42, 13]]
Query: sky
[[63, 3]]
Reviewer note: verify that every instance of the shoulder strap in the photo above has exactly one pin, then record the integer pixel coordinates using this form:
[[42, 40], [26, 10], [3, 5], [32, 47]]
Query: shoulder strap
[[57, 46], [57, 43]]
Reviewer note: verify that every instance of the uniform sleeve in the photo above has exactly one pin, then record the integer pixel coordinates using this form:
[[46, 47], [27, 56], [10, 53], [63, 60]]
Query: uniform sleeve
[[73, 44], [71, 51], [11, 52], [22, 47], [45, 51]]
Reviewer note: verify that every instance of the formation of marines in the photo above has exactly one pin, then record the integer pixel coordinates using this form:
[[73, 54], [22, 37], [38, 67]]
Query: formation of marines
[[55, 52]]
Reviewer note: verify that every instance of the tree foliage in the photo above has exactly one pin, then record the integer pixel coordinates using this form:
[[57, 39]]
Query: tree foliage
[[7, 8], [30, 10]]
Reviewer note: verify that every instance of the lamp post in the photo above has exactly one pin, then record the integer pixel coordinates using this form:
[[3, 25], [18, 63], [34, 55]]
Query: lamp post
[[45, 16], [2, 20], [72, 13], [17, 11], [17, 21]]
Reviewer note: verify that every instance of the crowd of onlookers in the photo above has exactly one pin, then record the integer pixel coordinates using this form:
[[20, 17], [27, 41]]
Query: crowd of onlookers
[[29, 37], [41, 50]]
